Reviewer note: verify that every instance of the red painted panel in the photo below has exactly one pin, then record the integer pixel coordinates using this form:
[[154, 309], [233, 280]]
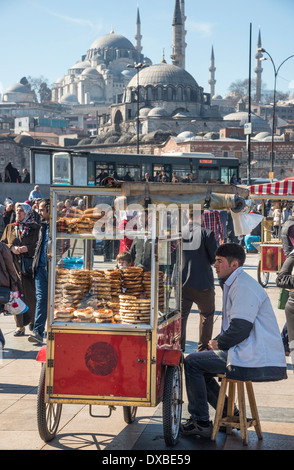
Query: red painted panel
[[100, 365]]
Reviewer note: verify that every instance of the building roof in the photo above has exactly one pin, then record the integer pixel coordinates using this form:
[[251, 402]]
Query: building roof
[[112, 41], [163, 74]]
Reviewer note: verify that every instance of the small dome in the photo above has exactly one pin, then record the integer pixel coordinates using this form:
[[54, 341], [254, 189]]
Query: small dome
[[81, 64], [91, 72], [186, 135], [144, 111], [261, 135], [69, 99], [182, 114], [18, 88], [157, 112], [59, 80], [128, 73]]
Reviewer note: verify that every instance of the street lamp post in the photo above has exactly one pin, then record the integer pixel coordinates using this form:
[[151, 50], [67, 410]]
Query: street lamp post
[[276, 71], [138, 67]]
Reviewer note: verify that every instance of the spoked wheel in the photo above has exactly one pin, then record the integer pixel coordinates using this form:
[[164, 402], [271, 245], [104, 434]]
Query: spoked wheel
[[129, 413], [172, 404], [48, 414], [262, 277]]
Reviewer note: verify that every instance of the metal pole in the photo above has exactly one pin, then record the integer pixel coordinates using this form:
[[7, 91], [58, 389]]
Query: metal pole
[[138, 109], [249, 113]]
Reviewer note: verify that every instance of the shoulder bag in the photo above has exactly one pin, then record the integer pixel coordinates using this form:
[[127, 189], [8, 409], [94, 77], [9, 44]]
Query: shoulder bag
[[26, 263]]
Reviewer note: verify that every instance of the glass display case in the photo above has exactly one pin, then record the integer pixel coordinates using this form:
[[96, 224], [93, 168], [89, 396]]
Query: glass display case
[[103, 261]]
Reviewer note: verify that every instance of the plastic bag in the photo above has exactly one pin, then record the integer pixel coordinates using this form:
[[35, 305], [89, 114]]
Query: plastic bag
[[15, 306], [245, 222]]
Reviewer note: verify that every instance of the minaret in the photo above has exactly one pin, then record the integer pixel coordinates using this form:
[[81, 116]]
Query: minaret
[[138, 35], [178, 55], [212, 69], [258, 72], [184, 32]]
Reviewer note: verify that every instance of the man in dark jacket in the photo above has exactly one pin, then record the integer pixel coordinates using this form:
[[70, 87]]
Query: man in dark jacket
[[199, 247], [41, 276]]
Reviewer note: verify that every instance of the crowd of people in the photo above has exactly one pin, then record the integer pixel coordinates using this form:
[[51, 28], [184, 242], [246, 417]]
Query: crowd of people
[[160, 177], [24, 229]]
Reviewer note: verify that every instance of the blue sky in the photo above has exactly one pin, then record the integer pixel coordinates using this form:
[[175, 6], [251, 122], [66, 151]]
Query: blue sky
[[41, 38]]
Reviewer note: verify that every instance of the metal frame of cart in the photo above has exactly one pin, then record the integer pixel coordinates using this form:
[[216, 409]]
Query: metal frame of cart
[[122, 364]]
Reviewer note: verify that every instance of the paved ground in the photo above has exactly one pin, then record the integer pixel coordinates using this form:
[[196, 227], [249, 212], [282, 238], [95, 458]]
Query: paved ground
[[19, 376]]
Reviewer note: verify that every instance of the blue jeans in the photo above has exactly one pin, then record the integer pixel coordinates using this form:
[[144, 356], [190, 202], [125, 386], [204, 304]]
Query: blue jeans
[[202, 387], [41, 284]]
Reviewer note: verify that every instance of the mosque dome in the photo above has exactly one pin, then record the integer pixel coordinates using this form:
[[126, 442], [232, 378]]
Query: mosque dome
[[258, 124], [91, 72], [261, 135], [112, 41], [18, 88], [164, 74], [81, 64], [144, 111], [157, 112], [186, 135], [70, 99], [19, 93]]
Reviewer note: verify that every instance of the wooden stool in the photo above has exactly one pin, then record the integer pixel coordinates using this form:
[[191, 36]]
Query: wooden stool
[[240, 422]]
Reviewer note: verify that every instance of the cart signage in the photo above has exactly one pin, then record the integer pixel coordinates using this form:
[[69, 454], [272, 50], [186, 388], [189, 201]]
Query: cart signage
[[82, 360]]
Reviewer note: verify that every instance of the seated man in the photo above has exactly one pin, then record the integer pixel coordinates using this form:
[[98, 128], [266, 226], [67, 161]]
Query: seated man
[[249, 346]]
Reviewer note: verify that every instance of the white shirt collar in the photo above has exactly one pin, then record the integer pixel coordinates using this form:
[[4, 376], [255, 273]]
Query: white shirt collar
[[233, 276]]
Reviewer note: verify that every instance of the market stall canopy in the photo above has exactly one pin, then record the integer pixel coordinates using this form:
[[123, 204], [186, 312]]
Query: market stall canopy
[[210, 196], [278, 188]]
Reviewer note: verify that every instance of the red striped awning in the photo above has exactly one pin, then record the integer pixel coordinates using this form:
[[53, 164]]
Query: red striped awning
[[279, 188]]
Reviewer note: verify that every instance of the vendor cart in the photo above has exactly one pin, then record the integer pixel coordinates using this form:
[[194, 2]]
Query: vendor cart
[[113, 335], [271, 251]]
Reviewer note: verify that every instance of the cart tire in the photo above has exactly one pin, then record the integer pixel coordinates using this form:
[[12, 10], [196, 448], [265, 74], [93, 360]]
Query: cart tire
[[262, 277], [129, 413], [172, 404], [48, 414]]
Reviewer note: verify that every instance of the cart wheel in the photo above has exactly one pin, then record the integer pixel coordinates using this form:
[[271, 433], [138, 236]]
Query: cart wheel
[[172, 404], [129, 413], [48, 414], [261, 276]]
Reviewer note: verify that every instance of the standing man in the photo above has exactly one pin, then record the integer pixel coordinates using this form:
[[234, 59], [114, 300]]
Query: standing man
[[26, 176], [199, 246], [249, 346], [212, 221], [41, 276]]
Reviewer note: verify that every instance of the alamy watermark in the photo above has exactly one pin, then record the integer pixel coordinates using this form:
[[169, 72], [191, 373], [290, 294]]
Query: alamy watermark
[[138, 221]]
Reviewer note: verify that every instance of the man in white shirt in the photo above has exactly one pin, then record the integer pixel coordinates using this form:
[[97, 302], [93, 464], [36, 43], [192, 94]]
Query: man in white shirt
[[249, 346]]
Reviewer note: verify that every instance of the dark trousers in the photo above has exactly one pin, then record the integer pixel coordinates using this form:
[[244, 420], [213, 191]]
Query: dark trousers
[[202, 388], [41, 283], [205, 301]]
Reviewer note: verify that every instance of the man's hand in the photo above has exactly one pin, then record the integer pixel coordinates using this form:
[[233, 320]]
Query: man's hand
[[213, 344]]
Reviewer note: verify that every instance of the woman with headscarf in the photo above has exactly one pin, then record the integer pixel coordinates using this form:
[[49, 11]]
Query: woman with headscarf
[[21, 238]]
